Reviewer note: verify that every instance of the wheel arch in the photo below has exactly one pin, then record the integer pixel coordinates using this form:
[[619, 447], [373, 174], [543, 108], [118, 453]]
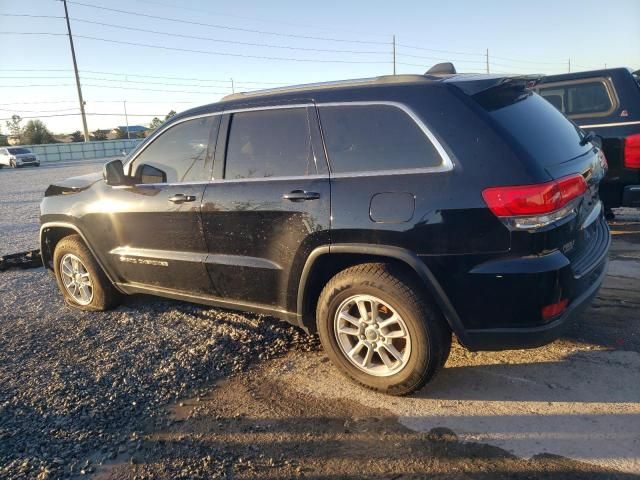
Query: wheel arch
[[326, 261], [52, 232]]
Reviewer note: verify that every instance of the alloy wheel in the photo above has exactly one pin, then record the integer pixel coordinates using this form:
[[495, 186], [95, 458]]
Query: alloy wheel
[[372, 335]]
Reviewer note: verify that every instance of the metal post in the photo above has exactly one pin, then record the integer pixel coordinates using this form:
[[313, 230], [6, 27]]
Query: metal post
[[394, 54], [487, 60], [233, 89], [75, 69], [126, 119], [569, 65]]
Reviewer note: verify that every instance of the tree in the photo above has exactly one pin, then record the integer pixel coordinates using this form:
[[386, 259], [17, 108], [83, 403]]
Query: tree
[[121, 133], [155, 123], [36, 132], [77, 136], [99, 135], [169, 115], [14, 127]]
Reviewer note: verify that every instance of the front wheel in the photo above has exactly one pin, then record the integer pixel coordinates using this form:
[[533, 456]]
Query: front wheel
[[380, 330], [81, 280]]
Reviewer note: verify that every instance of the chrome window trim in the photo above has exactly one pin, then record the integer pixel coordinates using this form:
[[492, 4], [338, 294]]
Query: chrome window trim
[[605, 81], [160, 131], [446, 165]]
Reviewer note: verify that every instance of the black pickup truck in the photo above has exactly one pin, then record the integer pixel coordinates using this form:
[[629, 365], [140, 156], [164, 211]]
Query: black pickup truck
[[606, 102]]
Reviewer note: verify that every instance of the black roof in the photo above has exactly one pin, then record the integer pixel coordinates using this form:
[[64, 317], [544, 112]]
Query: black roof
[[468, 83], [604, 72]]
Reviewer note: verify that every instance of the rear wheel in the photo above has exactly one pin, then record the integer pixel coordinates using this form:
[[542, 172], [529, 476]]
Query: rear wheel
[[81, 280], [379, 330]]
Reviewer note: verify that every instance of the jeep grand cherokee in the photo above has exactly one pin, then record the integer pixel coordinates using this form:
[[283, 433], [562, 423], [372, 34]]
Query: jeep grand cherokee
[[384, 214]]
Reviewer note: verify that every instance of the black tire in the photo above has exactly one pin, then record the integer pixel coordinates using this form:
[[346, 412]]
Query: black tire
[[105, 296], [430, 336]]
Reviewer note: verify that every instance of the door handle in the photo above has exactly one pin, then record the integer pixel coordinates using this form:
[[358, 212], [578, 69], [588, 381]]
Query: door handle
[[182, 198], [300, 196]]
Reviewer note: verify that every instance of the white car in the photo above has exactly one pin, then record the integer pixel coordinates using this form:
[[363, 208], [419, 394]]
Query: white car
[[17, 157]]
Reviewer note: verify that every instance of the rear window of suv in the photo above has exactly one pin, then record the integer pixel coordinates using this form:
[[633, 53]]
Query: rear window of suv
[[368, 138], [541, 130]]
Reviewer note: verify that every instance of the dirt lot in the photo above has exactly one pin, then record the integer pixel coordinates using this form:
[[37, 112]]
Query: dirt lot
[[163, 389]]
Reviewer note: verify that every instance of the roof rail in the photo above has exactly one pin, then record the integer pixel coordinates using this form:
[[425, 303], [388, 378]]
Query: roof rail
[[384, 79]]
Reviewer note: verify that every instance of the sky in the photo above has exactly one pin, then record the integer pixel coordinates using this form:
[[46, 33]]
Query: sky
[[162, 55]]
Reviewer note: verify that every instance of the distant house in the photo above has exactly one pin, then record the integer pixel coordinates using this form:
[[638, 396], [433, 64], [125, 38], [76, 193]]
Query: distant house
[[134, 130]]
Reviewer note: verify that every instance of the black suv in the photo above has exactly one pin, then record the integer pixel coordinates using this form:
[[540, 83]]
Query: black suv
[[606, 102], [383, 213]]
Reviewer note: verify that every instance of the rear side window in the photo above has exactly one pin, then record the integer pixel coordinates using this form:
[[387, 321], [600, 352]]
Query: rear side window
[[181, 151], [366, 138], [269, 143], [584, 98]]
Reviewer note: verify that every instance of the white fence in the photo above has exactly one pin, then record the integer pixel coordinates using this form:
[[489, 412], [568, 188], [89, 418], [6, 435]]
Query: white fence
[[63, 152]]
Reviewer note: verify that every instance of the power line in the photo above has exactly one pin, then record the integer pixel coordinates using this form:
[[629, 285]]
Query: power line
[[128, 74], [438, 59], [239, 55], [99, 101], [291, 24], [225, 54], [90, 114], [29, 15], [436, 50], [112, 86], [233, 42], [226, 27]]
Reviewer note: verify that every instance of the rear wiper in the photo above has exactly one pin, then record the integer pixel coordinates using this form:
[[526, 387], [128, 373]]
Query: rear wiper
[[590, 137]]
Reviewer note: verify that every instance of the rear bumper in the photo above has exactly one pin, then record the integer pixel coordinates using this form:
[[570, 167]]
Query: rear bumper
[[532, 337], [631, 196], [534, 282]]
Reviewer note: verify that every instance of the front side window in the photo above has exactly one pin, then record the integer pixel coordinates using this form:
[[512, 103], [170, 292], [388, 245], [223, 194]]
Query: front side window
[[269, 143], [366, 138], [180, 153]]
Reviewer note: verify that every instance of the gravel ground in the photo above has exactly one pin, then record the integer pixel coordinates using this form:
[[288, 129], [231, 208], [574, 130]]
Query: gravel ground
[[78, 388], [159, 389]]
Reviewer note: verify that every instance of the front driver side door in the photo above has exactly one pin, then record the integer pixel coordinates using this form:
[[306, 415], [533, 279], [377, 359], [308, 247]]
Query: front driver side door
[[154, 227]]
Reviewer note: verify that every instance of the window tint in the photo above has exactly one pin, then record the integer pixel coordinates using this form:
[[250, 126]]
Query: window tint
[[181, 151], [539, 128], [374, 137], [588, 98], [269, 143], [18, 151], [580, 98]]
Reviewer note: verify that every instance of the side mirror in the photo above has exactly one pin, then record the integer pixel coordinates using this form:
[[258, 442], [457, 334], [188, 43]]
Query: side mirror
[[113, 173], [150, 174]]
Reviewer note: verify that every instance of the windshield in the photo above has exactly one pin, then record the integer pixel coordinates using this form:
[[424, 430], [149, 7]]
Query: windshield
[[540, 129], [18, 151]]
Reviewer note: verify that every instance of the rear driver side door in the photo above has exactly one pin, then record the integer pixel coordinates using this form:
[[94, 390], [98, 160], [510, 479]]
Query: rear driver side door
[[268, 206]]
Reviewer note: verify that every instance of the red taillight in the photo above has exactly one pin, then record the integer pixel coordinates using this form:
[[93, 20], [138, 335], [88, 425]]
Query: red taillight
[[632, 151], [554, 309], [534, 199]]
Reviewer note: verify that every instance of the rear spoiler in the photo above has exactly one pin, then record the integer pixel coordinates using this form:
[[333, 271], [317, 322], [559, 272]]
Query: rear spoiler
[[473, 84]]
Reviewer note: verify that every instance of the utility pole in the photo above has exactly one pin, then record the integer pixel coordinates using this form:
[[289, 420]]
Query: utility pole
[[569, 65], [75, 69], [233, 88], [487, 60], [126, 118], [394, 54]]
